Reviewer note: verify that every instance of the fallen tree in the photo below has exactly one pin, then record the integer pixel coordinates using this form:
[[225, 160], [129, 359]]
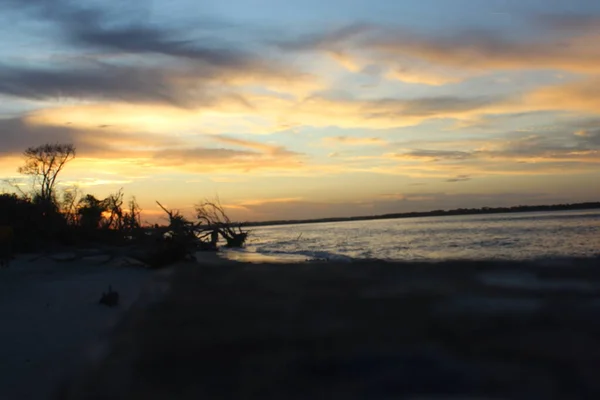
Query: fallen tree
[[212, 213]]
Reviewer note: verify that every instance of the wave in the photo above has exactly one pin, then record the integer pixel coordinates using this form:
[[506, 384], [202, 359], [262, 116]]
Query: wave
[[302, 256], [310, 255], [288, 256]]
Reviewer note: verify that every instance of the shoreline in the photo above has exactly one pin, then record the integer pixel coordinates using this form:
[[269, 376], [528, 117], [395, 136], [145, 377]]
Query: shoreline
[[237, 255], [593, 206], [240, 330]]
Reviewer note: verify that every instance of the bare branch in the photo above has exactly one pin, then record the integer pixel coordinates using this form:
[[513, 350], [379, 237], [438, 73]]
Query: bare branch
[[214, 215], [44, 163]]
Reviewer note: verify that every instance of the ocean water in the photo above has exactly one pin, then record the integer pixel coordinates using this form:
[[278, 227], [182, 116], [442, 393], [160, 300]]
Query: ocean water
[[514, 236]]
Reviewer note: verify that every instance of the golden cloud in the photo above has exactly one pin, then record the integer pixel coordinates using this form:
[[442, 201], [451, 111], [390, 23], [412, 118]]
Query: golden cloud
[[257, 202], [262, 147], [267, 113], [580, 95], [353, 141]]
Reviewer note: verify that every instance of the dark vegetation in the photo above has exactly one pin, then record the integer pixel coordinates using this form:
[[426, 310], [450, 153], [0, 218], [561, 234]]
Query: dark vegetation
[[440, 213], [46, 218]]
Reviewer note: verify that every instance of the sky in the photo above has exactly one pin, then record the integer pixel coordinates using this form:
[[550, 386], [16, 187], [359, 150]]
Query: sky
[[293, 110]]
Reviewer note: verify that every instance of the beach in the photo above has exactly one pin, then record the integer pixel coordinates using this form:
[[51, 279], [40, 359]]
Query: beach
[[377, 330], [51, 322]]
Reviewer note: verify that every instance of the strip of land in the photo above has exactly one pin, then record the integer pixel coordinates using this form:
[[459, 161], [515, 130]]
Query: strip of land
[[440, 213]]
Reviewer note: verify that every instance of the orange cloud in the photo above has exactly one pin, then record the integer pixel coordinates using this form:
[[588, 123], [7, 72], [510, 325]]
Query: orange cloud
[[266, 114], [88, 182], [581, 95], [262, 147], [353, 141], [256, 202]]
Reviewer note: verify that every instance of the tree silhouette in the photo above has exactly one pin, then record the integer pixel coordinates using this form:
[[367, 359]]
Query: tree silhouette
[[44, 163], [90, 212], [213, 214]]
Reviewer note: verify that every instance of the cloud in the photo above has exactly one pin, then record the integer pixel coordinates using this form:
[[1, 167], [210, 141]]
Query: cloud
[[94, 81], [181, 85], [438, 106], [217, 84], [140, 62], [144, 39], [345, 60], [568, 22], [393, 196], [434, 155], [89, 182], [262, 147], [145, 153], [260, 202], [423, 76], [227, 163], [582, 95], [268, 113], [570, 148], [111, 29], [17, 135], [150, 118], [333, 39], [563, 42], [353, 141], [589, 138], [382, 113], [490, 51], [459, 178], [200, 155]]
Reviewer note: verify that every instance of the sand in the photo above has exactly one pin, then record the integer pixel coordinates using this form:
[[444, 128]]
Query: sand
[[359, 331], [51, 322]]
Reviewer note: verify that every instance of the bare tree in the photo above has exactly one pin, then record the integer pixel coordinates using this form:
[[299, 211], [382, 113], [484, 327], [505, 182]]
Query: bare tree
[[68, 205], [113, 204], [44, 163], [132, 218], [213, 214], [179, 226], [16, 184]]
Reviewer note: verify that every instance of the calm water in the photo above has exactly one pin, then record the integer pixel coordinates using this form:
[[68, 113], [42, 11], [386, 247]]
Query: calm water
[[501, 236]]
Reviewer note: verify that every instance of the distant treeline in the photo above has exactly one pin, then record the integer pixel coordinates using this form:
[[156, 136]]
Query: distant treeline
[[437, 213]]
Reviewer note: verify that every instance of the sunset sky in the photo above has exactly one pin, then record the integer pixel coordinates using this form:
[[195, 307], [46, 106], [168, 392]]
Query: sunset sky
[[309, 109]]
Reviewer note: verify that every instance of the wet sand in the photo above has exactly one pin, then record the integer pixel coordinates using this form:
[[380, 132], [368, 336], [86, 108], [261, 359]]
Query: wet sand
[[359, 331]]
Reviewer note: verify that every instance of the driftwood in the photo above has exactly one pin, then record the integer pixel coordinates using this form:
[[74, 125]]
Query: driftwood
[[212, 213], [110, 298]]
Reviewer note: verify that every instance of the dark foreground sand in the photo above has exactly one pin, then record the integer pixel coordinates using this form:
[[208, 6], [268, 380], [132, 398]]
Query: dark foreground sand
[[360, 331]]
